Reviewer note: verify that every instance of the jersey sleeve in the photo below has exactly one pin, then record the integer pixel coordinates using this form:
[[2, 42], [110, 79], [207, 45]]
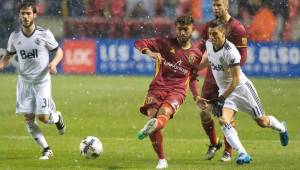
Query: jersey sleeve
[[10, 45], [153, 44], [240, 37], [233, 58], [51, 43]]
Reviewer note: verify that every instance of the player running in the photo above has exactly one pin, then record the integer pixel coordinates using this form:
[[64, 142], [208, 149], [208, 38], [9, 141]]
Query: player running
[[176, 59], [236, 91], [236, 33], [32, 45]]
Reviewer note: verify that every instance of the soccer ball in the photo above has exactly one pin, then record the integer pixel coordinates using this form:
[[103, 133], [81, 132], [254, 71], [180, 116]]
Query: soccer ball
[[91, 147]]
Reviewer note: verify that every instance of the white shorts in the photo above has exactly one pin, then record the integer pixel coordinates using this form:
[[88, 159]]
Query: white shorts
[[34, 97], [245, 99]]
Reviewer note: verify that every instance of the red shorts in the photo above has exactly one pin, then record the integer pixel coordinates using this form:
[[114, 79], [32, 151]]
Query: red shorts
[[156, 98], [210, 88]]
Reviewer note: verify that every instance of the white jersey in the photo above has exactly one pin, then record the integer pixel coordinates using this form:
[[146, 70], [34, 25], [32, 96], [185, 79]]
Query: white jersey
[[220, 62], [32, 52]]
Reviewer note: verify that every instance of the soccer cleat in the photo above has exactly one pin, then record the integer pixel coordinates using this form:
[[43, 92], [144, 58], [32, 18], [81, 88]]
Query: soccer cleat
[[46, 154], [284, 136], [226, 157], [60, 125], [147, 129], [243, 158], [212, 149], [162, 164]]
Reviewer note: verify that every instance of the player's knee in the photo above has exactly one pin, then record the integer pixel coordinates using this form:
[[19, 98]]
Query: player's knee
[[44, 118], [262, 122], [165, 111], [205, 116]]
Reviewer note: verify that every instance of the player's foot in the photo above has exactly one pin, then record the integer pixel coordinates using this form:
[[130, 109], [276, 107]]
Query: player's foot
[[226, 157], [60, 125], [284, 136], [162, 164], [212, 149], [46, 154], [148, 128], [243, 158]]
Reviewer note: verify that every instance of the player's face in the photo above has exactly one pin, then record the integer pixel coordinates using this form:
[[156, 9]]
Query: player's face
[[184, 32], [217, 36], [27, 17], [219, 8]]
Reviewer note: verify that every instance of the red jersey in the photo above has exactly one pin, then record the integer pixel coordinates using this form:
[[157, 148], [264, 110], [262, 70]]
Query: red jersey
[[235, 33], [174, 71]]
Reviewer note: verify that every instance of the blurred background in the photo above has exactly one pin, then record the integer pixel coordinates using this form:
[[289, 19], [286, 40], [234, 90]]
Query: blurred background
[[97, 35]]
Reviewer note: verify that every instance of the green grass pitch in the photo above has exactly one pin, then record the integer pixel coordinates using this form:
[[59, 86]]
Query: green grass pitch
[[108, 107]]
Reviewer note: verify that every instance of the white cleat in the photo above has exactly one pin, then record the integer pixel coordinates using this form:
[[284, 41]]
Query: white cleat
[[149, 127], [60, 125], [46, 154], [226, 157], [162, 164]]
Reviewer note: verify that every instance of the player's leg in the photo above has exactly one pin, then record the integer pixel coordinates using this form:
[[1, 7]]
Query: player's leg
[[261, 118], [26, 106], [38, 136], [210, 91], [46, 107], [232, 136]]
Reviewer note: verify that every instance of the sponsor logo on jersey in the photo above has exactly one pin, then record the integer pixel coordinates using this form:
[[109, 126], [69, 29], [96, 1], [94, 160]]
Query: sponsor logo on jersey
[[176, 66], [29, 55], [217, 67]]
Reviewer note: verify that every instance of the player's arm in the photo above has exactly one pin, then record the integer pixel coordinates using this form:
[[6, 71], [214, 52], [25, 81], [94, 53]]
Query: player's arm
[[241, 42], [57, 58], [150, 47], [235, 74], [204, 63]]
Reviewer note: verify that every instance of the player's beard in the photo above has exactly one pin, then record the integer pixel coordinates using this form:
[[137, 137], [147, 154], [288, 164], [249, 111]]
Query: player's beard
[[29, 25], [184, 39]]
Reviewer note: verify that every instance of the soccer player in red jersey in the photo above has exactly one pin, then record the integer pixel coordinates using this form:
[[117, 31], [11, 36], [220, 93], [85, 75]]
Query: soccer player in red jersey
[[236, 33], [176, 60]]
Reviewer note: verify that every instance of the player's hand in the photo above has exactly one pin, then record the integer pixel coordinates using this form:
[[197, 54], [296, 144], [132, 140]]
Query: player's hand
[[201, 102], [217, 105], [52, 69]]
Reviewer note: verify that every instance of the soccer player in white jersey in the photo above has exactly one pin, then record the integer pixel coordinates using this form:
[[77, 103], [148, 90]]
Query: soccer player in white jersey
[[236, 91], [32, 45]]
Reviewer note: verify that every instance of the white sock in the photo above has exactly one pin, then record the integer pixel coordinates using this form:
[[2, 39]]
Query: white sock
[[36, 134], [232, 138], [276, 125], [53, 117]]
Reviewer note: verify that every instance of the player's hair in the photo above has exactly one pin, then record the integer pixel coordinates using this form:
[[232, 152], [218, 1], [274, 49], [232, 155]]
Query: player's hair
[[27, 4], [218, 25], [224, 1], [184, 20]]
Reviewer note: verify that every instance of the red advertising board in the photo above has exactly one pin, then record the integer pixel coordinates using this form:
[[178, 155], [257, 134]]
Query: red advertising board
[[79, 56]]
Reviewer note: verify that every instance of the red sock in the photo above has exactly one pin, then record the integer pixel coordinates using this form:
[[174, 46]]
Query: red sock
[[228, 148], [210, 130], [157, 143], [161, 121]]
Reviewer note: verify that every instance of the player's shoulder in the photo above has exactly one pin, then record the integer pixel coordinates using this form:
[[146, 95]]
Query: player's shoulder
[[43, 31], [15, 33], [230, 47], [236, 24]]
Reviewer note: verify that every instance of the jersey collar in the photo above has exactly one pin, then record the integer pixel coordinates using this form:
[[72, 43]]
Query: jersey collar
[[31, 33]]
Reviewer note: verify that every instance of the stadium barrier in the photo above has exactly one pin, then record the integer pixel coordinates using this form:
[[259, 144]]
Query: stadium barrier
[[119, 57]]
